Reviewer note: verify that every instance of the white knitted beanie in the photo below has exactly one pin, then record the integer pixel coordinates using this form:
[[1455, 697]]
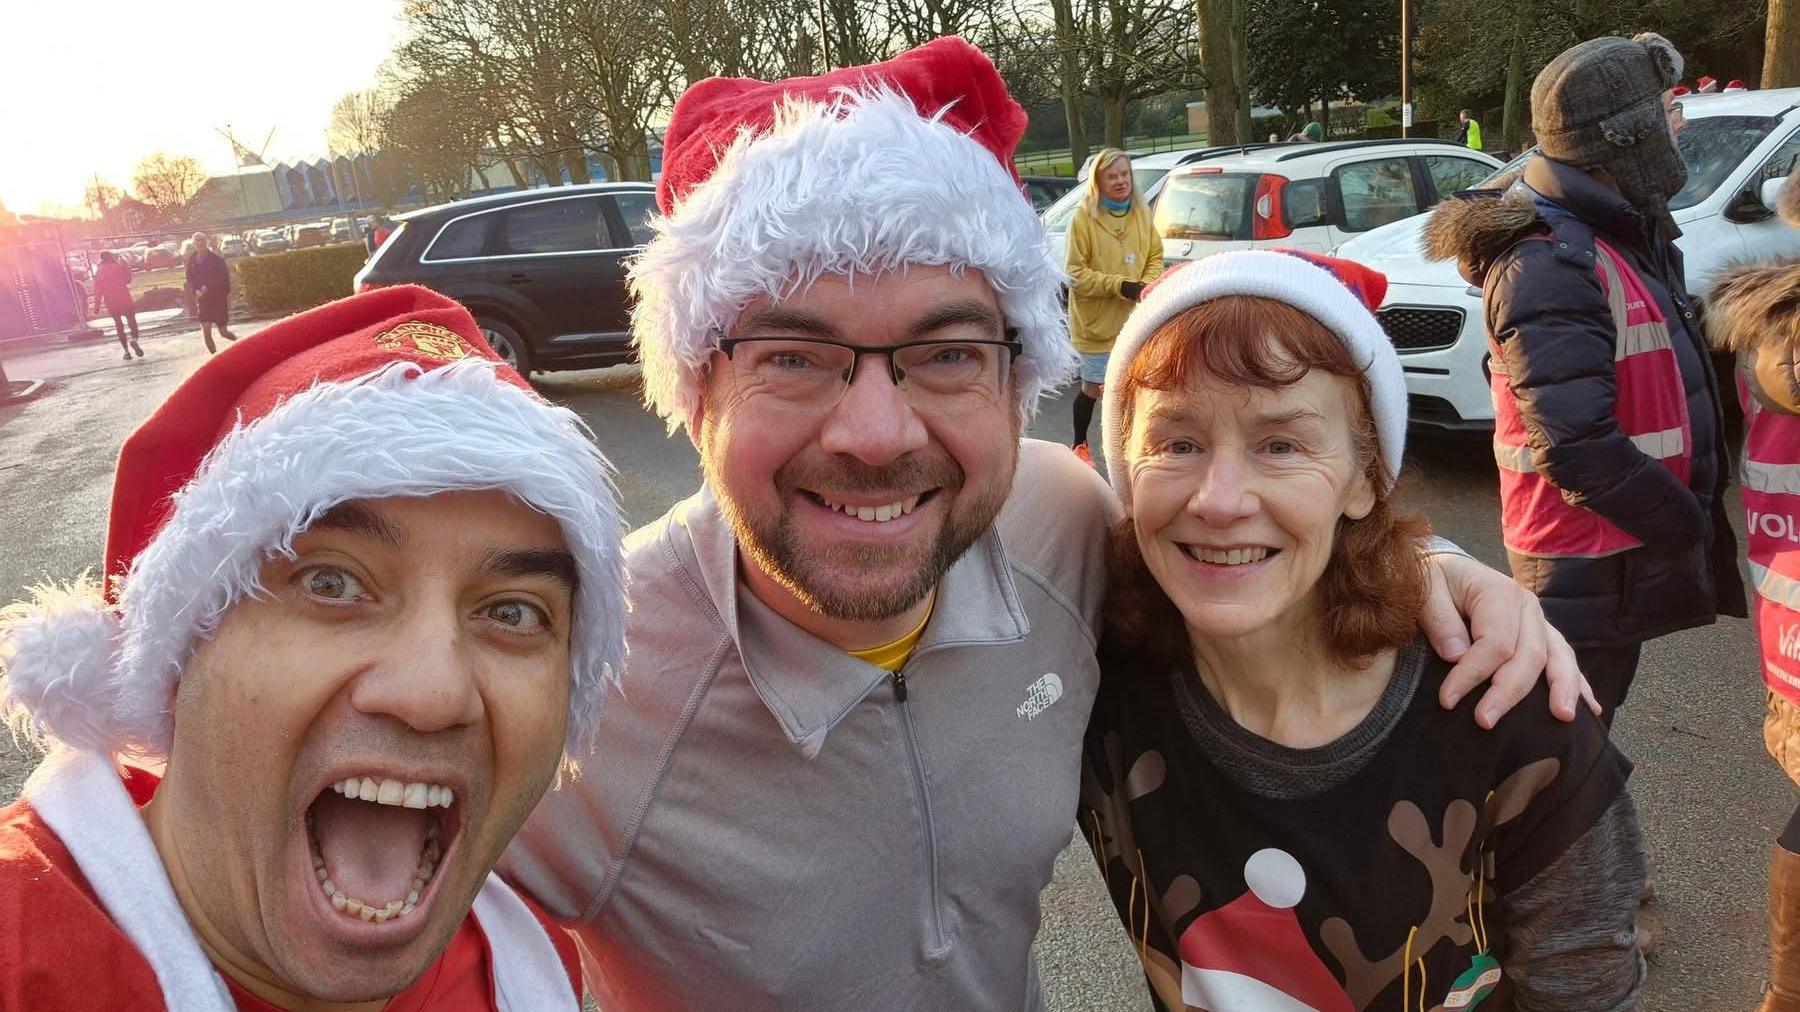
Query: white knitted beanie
[[1338, 293]]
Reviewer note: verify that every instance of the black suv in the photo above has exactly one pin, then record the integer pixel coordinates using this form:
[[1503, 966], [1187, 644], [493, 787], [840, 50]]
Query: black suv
[[542, 271]]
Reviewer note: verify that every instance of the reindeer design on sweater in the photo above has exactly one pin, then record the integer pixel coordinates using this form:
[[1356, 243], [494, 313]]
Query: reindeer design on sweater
[[1442, 852]]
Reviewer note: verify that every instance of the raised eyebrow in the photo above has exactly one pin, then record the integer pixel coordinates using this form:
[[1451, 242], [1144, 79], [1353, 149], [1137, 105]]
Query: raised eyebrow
[[792, 320], [551, 562], [966, 311], [355, 518]]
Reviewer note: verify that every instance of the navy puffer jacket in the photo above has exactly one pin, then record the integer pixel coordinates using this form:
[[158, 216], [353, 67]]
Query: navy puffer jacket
[[1547, 313]]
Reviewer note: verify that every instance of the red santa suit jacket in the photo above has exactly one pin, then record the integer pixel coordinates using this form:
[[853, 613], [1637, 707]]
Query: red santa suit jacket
[[88, 919]]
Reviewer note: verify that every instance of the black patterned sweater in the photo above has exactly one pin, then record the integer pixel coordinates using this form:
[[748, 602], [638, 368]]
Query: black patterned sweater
[[1417, 862]]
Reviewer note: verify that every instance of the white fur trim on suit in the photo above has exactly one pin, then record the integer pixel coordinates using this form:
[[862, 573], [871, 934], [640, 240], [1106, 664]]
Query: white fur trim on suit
[[528, 973], [857, 186], [79, 796], [397, 432], [1270, 275]]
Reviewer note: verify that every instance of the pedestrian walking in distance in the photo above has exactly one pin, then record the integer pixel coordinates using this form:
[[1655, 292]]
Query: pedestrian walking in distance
[[1608, 433], [209, 286], [112, 289], [1114, 252], [1754, 311]]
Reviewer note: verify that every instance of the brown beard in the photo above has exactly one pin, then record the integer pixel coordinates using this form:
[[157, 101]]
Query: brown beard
[[774, 545]]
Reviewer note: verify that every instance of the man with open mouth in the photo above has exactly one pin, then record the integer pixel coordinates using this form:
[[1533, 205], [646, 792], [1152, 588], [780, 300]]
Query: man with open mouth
[[862, 655], [362, 599]]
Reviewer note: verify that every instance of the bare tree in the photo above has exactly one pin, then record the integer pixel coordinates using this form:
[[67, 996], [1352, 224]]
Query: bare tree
[[629, 69], [356, 122], [1136, 48], [916, 22], [167, 183], [435, 137], [1071, 78], [1225, 89], [515, 62], [101, 197], [1781, 52]]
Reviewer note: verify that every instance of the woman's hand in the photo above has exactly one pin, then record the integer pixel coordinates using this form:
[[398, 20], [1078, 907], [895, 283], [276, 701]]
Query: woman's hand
[[1131, 291], [1513, 641]]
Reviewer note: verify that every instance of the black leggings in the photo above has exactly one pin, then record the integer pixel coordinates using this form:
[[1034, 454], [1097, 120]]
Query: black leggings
[[1790, 837], [119, 322]]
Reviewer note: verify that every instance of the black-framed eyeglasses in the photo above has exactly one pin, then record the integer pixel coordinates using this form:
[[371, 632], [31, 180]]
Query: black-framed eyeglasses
[[815, 371]]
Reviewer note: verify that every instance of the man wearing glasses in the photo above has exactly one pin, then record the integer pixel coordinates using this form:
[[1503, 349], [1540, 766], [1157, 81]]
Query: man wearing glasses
[[861, 657]]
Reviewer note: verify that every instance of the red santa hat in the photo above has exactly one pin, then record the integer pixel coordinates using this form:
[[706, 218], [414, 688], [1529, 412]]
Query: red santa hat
[[1680, 91], [390, 393], [766, 186], [1733, 86], [1706, 85], [1252, 952], [1338, 293]]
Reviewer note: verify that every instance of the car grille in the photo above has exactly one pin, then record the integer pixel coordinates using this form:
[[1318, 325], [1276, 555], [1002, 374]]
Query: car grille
[[1415, 329]]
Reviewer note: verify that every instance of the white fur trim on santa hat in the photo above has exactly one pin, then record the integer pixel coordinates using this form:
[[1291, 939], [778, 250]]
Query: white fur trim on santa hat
[[1271, 275], [857, 186], [398, 432], [56, 653]]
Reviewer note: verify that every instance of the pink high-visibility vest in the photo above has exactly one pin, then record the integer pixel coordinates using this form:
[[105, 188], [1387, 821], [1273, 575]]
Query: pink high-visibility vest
[[1771, 488], [1651, 408]]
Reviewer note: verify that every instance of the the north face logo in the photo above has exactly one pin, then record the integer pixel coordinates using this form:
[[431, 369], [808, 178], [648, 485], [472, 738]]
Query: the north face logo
[[1040, 695]]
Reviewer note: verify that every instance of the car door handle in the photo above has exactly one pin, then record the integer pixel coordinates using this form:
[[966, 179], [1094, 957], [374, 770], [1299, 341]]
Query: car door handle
[[518, 278]]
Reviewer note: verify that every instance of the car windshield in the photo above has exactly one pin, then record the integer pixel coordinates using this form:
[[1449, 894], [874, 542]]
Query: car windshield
[[1205, 205], [1712, 146]]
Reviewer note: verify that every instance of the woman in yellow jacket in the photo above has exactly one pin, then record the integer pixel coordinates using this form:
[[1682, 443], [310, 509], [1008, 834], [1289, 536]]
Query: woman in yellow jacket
[[1114, 252]]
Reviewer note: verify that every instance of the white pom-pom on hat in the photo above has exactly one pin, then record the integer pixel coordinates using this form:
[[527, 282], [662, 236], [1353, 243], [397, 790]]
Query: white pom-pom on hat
[[58, 655], [1275, 878]]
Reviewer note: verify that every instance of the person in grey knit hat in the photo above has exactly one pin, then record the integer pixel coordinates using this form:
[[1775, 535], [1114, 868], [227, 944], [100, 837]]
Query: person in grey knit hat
[[1608, 432], [1601, 107]]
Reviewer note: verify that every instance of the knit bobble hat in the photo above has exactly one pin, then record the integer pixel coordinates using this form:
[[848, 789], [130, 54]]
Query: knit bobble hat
[[389, 393], [769, 185], [1598, 105], [1339, 294]]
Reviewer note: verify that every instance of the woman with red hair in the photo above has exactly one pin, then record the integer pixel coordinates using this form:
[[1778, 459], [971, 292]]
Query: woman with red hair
[[1285, 815]]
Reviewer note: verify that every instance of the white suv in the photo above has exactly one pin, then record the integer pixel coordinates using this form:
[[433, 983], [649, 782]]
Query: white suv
[[1735, 146], [1306, 196]]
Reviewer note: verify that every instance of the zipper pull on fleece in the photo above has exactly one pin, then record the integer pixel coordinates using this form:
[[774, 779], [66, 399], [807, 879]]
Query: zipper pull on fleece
[[900, 686]]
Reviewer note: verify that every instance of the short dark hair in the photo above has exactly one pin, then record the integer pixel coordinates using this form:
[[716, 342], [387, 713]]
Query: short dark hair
[[107, 255]]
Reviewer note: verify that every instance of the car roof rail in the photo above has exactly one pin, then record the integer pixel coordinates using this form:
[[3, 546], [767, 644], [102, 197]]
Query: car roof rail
[[1335, 146], [1228, 149]]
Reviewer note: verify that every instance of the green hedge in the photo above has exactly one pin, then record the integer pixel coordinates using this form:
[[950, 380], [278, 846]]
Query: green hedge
[[298, 279]]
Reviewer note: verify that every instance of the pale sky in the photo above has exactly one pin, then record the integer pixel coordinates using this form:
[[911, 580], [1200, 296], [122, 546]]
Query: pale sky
[[92, 86]]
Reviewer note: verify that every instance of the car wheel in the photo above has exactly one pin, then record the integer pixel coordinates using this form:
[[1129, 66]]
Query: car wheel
[[507, 343]]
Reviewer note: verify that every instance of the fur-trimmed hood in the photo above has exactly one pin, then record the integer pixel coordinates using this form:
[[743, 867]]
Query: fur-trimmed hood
[[1756, 305], [1475, 228]]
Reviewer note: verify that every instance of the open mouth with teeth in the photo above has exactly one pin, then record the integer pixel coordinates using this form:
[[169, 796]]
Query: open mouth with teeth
[[377, 843], [876, 514], [1228, 556]]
